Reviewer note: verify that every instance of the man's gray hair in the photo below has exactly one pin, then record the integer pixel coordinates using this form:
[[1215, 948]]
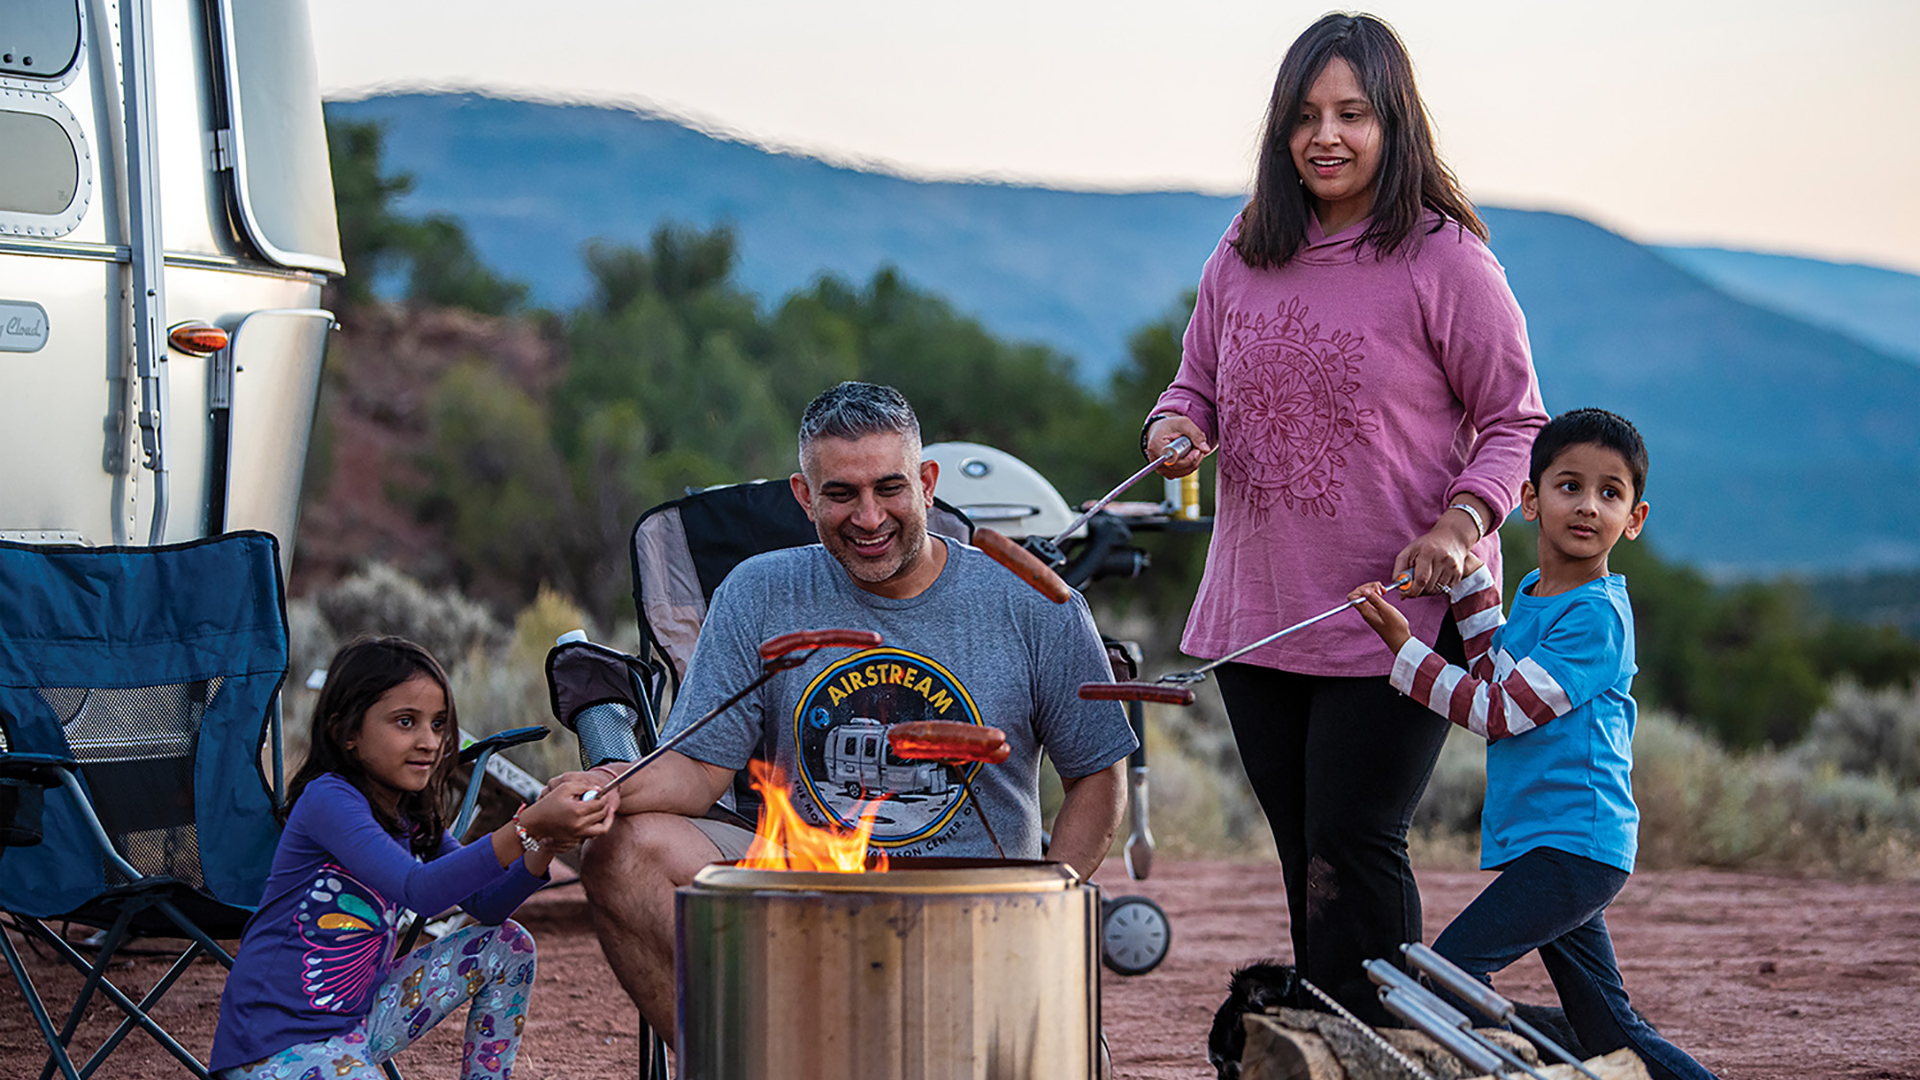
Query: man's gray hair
[[854, 410]]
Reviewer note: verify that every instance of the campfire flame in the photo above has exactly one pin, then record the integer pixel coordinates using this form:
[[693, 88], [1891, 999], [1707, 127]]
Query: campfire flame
[[783, 841]]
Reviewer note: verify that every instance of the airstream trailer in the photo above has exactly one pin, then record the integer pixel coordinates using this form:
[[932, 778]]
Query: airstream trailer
[[166, 225]]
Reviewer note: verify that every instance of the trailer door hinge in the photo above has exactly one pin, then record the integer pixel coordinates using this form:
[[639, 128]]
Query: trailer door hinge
[[222, 149], [220, 394]]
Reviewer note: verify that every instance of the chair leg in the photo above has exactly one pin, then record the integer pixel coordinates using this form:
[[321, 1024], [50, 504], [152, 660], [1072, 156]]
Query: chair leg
[[95, 973], [653, 1055], [39, 1010], [195, 934], [153, 996], [96, 978]]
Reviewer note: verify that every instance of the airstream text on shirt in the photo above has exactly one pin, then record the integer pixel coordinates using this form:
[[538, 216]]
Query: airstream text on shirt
[[885, 674]]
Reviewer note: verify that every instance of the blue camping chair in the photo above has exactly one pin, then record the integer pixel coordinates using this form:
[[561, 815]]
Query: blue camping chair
[[137, 686]]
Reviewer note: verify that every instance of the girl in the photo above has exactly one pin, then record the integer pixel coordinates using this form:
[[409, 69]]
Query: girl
[[1356, 357], [315, 990]]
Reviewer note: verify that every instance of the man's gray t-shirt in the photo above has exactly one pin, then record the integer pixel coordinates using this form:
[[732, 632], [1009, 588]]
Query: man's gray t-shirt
[[979, 646]]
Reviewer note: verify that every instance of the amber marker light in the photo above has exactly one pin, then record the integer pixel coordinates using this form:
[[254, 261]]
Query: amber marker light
[[197, 338]]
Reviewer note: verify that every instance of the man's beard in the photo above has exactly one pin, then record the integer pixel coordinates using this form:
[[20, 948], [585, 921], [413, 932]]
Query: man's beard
[[910, 546]]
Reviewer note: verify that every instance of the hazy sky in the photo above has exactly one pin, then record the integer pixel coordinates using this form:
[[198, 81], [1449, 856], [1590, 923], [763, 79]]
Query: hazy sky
[[1761, 124]]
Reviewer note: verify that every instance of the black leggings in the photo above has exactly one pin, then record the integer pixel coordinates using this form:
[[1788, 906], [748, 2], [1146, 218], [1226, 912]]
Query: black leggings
[[1338, 765]]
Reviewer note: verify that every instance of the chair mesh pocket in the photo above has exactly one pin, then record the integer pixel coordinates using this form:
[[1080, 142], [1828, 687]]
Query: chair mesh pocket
[[135, 746]]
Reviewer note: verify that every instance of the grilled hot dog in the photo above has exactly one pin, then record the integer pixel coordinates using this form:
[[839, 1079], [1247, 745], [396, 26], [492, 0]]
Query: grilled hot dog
[[946, 741]]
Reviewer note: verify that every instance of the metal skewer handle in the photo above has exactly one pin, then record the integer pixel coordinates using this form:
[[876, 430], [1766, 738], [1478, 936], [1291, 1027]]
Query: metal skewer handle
[[1174, 449], [1415, 1012], [1401, 582], [1390, 978], [777, 655], [1482, 997], [1172, 688]]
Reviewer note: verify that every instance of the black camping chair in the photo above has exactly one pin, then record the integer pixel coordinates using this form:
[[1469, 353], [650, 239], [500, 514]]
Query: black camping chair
[[137, 686]]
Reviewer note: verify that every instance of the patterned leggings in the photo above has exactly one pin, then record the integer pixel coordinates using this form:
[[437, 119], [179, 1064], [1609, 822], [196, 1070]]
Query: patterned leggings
[[491, 965]]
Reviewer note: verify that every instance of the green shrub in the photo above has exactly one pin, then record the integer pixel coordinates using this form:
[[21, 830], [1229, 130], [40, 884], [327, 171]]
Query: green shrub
[[1701, 805], [382, 600], [1868, 732]]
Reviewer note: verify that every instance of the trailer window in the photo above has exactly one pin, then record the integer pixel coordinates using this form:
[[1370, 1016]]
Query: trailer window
[[46, 173], [282, 185], [39, 39], [40, 172]]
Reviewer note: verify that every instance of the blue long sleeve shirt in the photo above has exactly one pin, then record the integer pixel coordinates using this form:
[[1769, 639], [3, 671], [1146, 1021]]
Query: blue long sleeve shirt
[[321, 945]]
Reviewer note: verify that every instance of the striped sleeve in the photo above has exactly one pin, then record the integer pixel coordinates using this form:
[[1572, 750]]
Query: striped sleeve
[[1506, 695], [1476, 611]]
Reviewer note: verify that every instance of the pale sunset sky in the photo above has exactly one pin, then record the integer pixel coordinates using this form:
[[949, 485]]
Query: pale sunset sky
[[1759, 124]]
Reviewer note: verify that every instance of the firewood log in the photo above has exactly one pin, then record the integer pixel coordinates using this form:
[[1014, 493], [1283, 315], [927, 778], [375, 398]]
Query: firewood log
[[1292, 1044], [1275, 1052], [1622, 1064]]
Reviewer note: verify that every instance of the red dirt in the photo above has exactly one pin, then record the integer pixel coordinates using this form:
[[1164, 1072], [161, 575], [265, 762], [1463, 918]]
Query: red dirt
[[1761, 978]]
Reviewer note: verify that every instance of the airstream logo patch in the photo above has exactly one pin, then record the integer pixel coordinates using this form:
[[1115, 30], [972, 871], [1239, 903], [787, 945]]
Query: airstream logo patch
[[23, 326], [840, 728]]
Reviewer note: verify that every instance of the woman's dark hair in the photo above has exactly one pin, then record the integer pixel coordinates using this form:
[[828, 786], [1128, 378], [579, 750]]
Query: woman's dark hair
[[1412, 178], [359, 674]]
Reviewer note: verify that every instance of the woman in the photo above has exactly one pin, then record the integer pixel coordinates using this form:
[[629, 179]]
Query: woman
[[1362, 368]]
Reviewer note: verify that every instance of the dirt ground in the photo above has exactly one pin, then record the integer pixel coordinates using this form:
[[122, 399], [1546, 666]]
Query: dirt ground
[[1761, 978]]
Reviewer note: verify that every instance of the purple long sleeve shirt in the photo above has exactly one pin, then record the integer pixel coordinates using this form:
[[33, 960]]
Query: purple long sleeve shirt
[[1351, 399], [322, 942]]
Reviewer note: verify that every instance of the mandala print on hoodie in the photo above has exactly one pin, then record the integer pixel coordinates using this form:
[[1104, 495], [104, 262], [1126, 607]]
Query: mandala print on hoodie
[[1286, 393]]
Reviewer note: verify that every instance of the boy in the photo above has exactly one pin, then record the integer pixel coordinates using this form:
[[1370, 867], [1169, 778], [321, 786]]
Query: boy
[[1548, 689]]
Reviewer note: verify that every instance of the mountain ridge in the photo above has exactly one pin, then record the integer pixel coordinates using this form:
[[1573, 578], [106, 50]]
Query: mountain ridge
[[1778, 444]]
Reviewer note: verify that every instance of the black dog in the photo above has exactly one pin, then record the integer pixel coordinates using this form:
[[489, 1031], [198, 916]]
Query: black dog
[[1269, 983], [1254, 989]]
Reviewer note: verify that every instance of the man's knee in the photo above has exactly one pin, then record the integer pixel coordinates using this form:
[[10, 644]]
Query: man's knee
[[645, 851]]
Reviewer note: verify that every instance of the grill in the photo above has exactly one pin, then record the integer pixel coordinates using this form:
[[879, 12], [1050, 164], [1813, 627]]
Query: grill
[[938, 968]]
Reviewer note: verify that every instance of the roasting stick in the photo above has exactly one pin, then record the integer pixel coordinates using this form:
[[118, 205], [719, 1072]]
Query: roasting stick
[[1174, 449], [777, 655], [1033, 561], [1401, 583], [1171, 688], [951, 743]]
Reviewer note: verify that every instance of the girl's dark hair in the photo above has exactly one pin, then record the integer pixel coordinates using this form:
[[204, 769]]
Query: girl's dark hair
[[359, 674], [1412, 178]]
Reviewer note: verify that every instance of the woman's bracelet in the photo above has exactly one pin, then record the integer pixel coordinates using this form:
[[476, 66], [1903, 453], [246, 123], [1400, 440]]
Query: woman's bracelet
[[1479, 523], [1147, 428]]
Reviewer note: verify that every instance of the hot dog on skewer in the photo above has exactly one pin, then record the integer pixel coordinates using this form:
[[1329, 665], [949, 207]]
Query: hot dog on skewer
[[949, 742]]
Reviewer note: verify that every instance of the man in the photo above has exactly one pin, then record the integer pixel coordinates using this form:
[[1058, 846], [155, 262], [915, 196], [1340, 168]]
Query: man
[[964, 640]]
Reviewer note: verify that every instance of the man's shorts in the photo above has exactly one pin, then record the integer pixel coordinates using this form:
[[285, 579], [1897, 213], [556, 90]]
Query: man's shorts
[[732, 840]]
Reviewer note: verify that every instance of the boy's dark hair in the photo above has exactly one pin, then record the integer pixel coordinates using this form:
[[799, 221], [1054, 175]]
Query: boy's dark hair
[[1412, 178], [1599, 428], [362, 671]]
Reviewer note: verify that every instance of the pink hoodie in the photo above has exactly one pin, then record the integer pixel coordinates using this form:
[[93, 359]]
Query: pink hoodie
[[1350, 399]]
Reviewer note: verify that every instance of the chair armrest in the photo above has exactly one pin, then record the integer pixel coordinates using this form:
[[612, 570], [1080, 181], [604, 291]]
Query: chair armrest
[[500, 741], [42, 769]]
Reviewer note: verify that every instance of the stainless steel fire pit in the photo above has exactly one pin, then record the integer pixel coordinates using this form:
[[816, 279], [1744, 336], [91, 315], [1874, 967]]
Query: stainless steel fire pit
[[936, 969]]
